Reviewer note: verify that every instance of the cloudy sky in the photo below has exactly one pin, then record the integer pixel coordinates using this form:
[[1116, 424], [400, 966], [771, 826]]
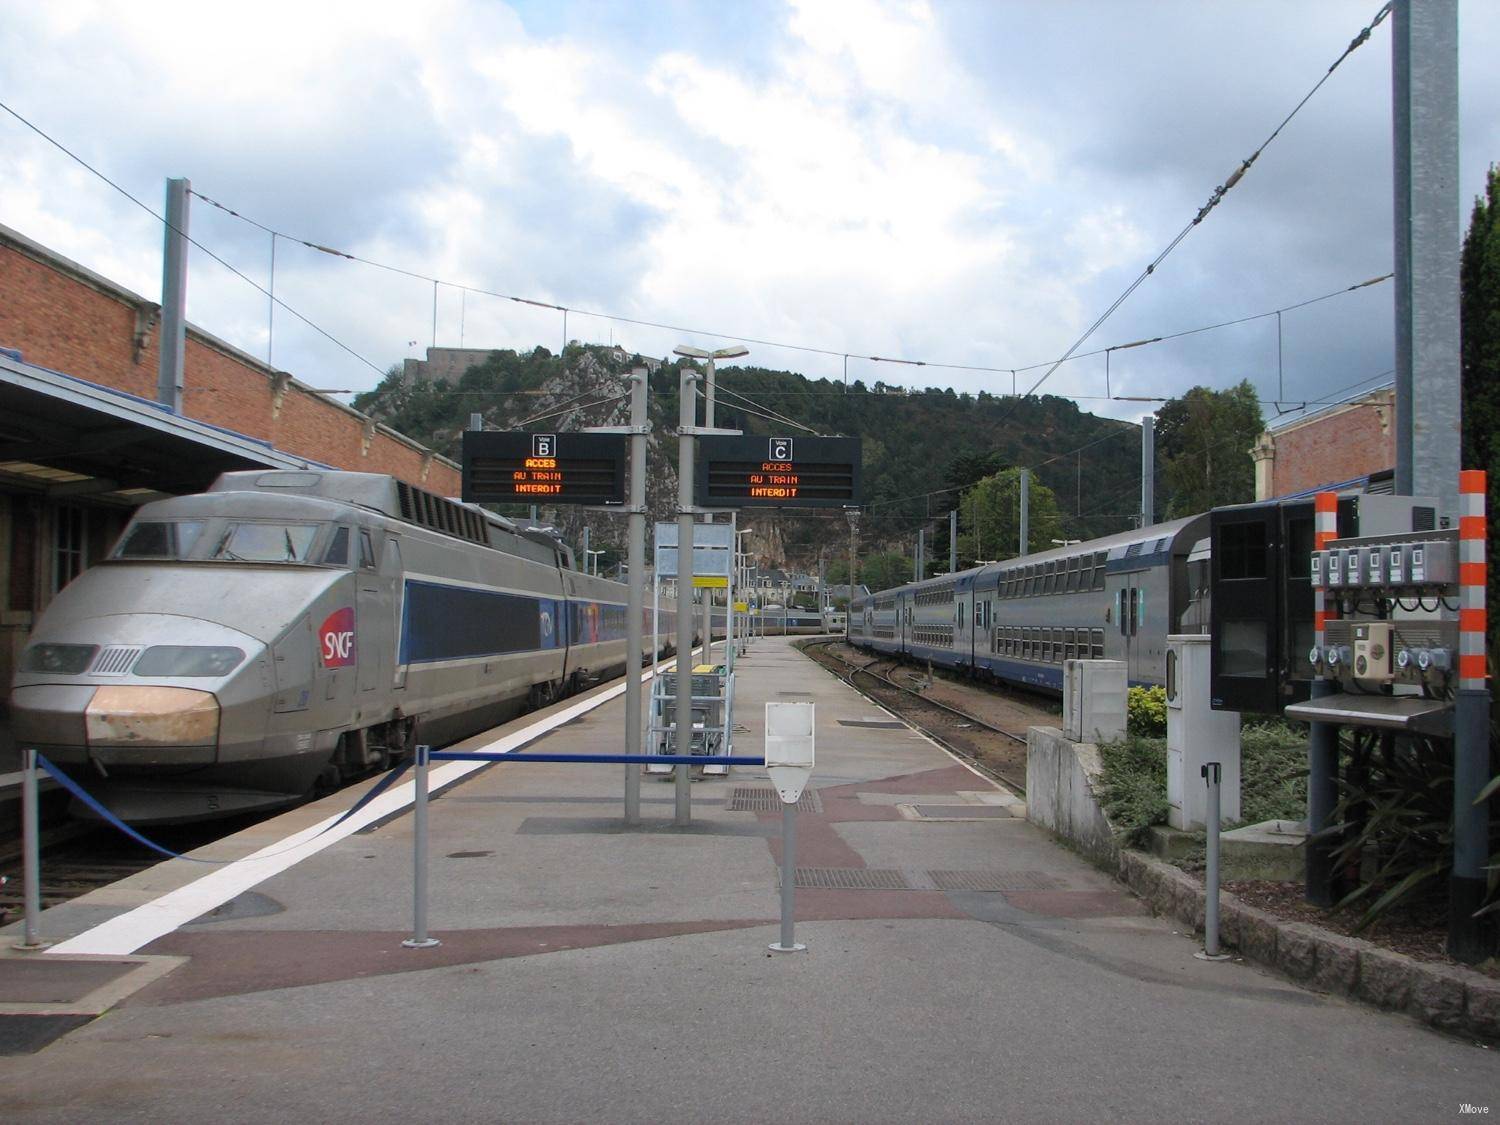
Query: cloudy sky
[[959, 183]]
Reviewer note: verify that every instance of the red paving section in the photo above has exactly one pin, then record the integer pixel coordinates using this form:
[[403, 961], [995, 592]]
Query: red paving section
[[241, 961]]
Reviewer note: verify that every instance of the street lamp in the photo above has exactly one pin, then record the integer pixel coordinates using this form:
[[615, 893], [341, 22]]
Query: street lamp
[[689, 352], [591, 561]]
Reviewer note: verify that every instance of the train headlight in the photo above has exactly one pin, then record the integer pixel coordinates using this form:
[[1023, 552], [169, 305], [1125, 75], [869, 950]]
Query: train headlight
[[151, 716], [58, 660], [188, 660]]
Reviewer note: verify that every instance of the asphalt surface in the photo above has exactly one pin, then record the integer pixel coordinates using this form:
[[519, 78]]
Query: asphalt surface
[[960, 967]]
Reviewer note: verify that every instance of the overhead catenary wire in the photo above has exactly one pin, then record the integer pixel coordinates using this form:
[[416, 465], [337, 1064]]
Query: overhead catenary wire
[[1214, 199], [844, 354]]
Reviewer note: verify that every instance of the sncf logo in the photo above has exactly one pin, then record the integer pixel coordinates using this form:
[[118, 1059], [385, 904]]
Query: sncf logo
[[336, 637]]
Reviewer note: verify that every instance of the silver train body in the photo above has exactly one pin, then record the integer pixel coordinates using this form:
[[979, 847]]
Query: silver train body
[[1115, 598], [285, 630]]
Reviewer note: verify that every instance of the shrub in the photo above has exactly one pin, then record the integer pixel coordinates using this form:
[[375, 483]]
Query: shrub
[[1273, 772], [1133, 787], [1146, 712]]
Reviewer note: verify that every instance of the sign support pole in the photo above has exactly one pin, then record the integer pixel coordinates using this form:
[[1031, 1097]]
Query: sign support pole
[[788, 942], [636, 561], [683, 732], [420, 939], [31, 863]]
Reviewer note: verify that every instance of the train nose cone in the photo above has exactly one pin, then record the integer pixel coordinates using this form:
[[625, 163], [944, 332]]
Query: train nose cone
[[126, 724]]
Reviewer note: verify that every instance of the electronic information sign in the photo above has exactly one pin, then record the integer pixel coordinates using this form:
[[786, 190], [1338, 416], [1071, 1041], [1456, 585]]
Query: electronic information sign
[[512, 467], [778, 472]]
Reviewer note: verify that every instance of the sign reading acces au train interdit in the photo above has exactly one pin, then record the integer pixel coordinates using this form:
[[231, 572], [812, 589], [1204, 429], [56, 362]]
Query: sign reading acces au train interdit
[[514, 467]]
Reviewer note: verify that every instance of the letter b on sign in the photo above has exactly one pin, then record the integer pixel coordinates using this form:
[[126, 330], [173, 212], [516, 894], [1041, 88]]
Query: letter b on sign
[[544, 445]]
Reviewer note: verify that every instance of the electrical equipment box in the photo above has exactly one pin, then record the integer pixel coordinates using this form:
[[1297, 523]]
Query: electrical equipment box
[[1335, 567], [1263, 573], [1094, 699], [1389, 640], [1373, 659]]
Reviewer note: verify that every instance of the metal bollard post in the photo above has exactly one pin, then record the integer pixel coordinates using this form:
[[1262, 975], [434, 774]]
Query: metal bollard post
[[788, 942], [419, 938], [1212, 775], [31, 861]]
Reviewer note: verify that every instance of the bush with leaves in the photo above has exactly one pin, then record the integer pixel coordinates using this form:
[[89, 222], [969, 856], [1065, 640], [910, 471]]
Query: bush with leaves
[[1394, 824], [1133, 787], [1146, 712]]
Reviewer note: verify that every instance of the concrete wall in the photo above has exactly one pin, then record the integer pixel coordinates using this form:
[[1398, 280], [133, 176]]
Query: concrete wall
[[1061, 777]]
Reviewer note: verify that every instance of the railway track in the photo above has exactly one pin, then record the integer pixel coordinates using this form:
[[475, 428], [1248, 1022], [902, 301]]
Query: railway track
[[909, 699]]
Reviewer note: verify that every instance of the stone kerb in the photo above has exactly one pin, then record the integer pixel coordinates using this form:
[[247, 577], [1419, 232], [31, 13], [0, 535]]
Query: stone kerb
[[1447, 997]]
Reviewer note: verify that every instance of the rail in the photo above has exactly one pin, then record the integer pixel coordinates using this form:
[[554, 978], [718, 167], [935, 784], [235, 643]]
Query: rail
[[865, 669]]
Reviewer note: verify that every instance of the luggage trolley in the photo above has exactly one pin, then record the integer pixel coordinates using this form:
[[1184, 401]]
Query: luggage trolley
[[713, 717]]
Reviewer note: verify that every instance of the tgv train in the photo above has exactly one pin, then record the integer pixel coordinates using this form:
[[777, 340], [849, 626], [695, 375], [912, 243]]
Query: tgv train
[[1114, 598], [287, 629]]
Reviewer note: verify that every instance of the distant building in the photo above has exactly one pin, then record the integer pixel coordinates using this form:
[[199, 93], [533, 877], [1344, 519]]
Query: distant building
[[442, 363], [451, 363], [1338, 443]]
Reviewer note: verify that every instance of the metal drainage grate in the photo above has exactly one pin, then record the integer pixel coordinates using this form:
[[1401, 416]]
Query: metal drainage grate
[[994, 881], [962, 812], [759, 798], [878, 724], [848, 879]]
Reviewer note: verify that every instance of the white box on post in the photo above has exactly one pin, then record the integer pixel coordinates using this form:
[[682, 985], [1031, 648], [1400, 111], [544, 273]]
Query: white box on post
[[789, 747], [1197, 734]]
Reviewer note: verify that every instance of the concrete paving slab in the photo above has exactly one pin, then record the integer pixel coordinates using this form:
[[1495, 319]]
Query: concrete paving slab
[[589, 972]]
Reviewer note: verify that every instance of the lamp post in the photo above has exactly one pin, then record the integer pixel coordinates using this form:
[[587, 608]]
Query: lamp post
[[591, 561], [852, 515], [687, 351]]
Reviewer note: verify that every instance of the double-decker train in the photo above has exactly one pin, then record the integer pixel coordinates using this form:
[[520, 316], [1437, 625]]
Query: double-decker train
[[1115, 598], [286, 629]]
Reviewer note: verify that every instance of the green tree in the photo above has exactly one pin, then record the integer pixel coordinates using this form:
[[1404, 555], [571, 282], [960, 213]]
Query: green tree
[[989, 518], [1479, 306], [1203, 442]]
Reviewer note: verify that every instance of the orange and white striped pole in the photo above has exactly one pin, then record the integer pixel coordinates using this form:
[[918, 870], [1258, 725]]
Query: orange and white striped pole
[[1473, 621], [1322, 738], [1471, 720]]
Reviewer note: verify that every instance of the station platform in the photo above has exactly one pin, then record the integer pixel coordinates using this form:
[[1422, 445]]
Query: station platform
[[961, 966]]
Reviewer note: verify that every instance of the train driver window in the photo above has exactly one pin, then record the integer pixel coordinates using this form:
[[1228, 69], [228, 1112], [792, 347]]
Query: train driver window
[[338, 548], [366, 551]]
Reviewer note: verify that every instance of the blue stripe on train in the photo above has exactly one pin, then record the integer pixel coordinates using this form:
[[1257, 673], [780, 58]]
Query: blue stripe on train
[[441, 622]]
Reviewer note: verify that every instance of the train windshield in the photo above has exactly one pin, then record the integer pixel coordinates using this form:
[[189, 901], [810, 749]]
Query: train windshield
[[159, 539], [265, 542]]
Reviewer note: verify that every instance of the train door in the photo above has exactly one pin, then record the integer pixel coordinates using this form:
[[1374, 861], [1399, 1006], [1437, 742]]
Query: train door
[[1130, 611], [373, 616], [392, 571]]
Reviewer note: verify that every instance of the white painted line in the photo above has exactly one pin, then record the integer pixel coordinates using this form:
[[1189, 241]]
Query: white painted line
[[130, 931]]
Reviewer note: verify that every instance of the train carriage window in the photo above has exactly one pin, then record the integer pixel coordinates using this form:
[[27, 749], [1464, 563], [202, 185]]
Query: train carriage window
[[1100, 558], [159, 540], [266, 542], [1072, 580], [1070, 644], [1049, 579], [338, 548], [1098, 644], [366, 551]]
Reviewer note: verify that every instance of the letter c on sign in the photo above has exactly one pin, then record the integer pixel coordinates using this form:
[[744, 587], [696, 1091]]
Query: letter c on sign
[[336, 638]]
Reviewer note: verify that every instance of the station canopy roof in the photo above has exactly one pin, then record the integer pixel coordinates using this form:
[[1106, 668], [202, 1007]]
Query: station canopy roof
[[68, 437]]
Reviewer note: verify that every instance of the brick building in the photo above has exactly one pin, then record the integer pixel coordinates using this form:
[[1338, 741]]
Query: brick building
[[82, 441], [1342, 442]]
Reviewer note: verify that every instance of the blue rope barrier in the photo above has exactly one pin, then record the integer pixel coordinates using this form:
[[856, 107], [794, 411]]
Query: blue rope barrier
[[92, 803], [605, 759]]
